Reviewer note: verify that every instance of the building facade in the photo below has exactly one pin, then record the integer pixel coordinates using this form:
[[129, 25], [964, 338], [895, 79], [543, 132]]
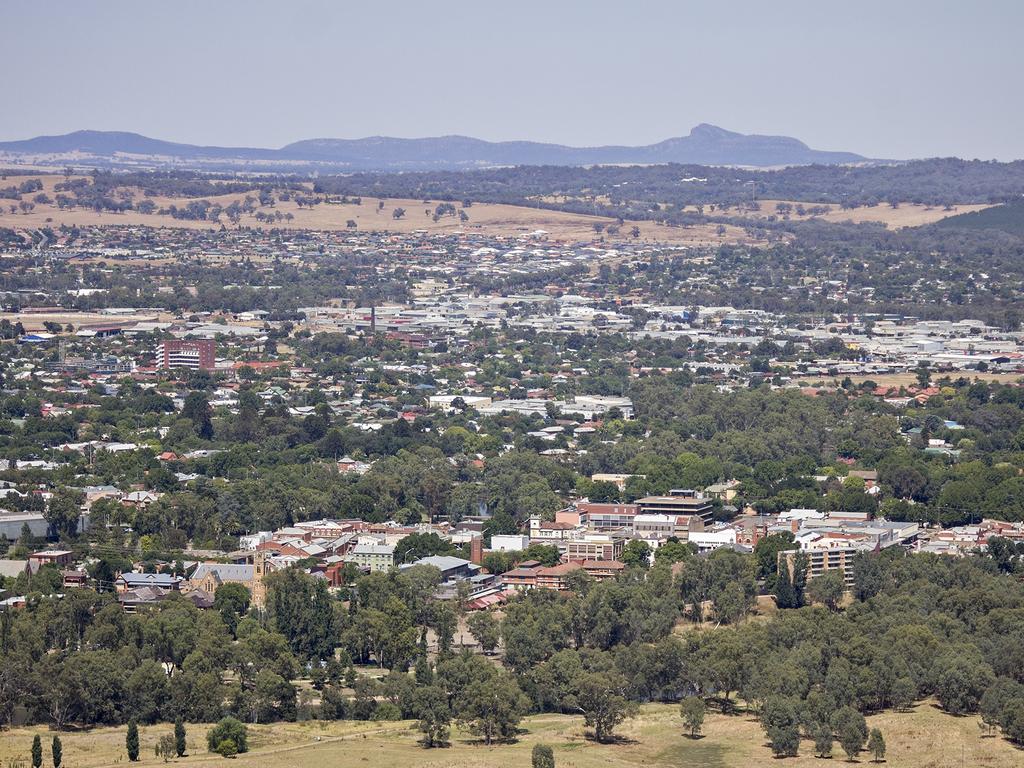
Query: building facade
[[678, 502], [194, 354], [375, 557], [597, 546]]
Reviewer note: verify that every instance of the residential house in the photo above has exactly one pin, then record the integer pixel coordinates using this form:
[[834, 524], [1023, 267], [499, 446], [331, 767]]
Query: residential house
[[724, 492], [131, 580], [618, 479], [74, 579], [59, 557], [544, 532], [138, 598]]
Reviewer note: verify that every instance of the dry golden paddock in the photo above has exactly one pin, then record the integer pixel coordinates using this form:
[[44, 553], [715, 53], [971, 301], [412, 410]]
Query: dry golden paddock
[[484, 218], [904, 215], [910, 379], [921, 738]]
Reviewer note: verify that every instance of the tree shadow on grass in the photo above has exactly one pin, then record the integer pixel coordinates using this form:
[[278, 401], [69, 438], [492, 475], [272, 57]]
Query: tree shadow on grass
[[938, 708], [479, 741], [435, 745], [613, 741]]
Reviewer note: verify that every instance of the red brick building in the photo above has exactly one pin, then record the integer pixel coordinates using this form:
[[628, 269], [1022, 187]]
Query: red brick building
[[532, 575], [194, 354]]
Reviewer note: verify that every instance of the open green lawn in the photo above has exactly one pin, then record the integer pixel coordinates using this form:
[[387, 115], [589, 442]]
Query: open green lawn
[[922, 738]]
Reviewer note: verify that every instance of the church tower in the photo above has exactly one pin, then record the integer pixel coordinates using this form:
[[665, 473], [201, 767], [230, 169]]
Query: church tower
[[259, 572]]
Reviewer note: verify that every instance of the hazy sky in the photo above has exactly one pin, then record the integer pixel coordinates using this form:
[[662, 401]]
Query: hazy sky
[[886, 78]]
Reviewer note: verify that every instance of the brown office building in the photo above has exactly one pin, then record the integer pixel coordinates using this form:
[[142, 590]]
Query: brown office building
[[194, 354], [679, 503]]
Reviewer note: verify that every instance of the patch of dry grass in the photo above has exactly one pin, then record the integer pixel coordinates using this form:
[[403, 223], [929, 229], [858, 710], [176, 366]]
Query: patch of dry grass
[[904, 215], [921, 738], [498, 220], [910, 379]]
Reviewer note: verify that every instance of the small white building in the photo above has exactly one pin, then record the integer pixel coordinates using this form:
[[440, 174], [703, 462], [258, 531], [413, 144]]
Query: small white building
[[706, 541], [800, 515], [444, 402], [592, 406], [253, 540], [509, 543]]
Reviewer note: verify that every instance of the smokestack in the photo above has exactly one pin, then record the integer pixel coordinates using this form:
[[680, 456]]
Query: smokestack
[[476, 550]]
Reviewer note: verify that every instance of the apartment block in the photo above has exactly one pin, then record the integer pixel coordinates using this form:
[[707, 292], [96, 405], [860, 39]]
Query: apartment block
[[194, 354], [607, 517], [594, 546]]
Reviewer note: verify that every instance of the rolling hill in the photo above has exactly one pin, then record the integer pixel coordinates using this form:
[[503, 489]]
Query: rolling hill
[[704, 145], [1007, 218]]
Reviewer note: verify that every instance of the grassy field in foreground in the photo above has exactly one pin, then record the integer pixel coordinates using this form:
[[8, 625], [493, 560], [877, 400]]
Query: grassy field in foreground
[[921, 738]]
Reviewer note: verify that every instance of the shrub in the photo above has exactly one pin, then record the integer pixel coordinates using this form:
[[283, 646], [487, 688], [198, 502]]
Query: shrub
[[692, 711], [876, 744], [165, 747], [131, 741], [229, 734], [179, 737], [227, 748], [543, 756]]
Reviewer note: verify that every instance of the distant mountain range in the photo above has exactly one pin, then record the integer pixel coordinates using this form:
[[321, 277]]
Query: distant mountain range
[[705, 145]]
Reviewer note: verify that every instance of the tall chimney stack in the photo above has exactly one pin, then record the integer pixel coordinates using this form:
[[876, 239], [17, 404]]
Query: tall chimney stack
[[476, 550]]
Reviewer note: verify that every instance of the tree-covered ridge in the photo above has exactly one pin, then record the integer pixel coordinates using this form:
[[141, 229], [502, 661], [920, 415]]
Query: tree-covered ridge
[[933, 182], [918, 626], [1007, 218]]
